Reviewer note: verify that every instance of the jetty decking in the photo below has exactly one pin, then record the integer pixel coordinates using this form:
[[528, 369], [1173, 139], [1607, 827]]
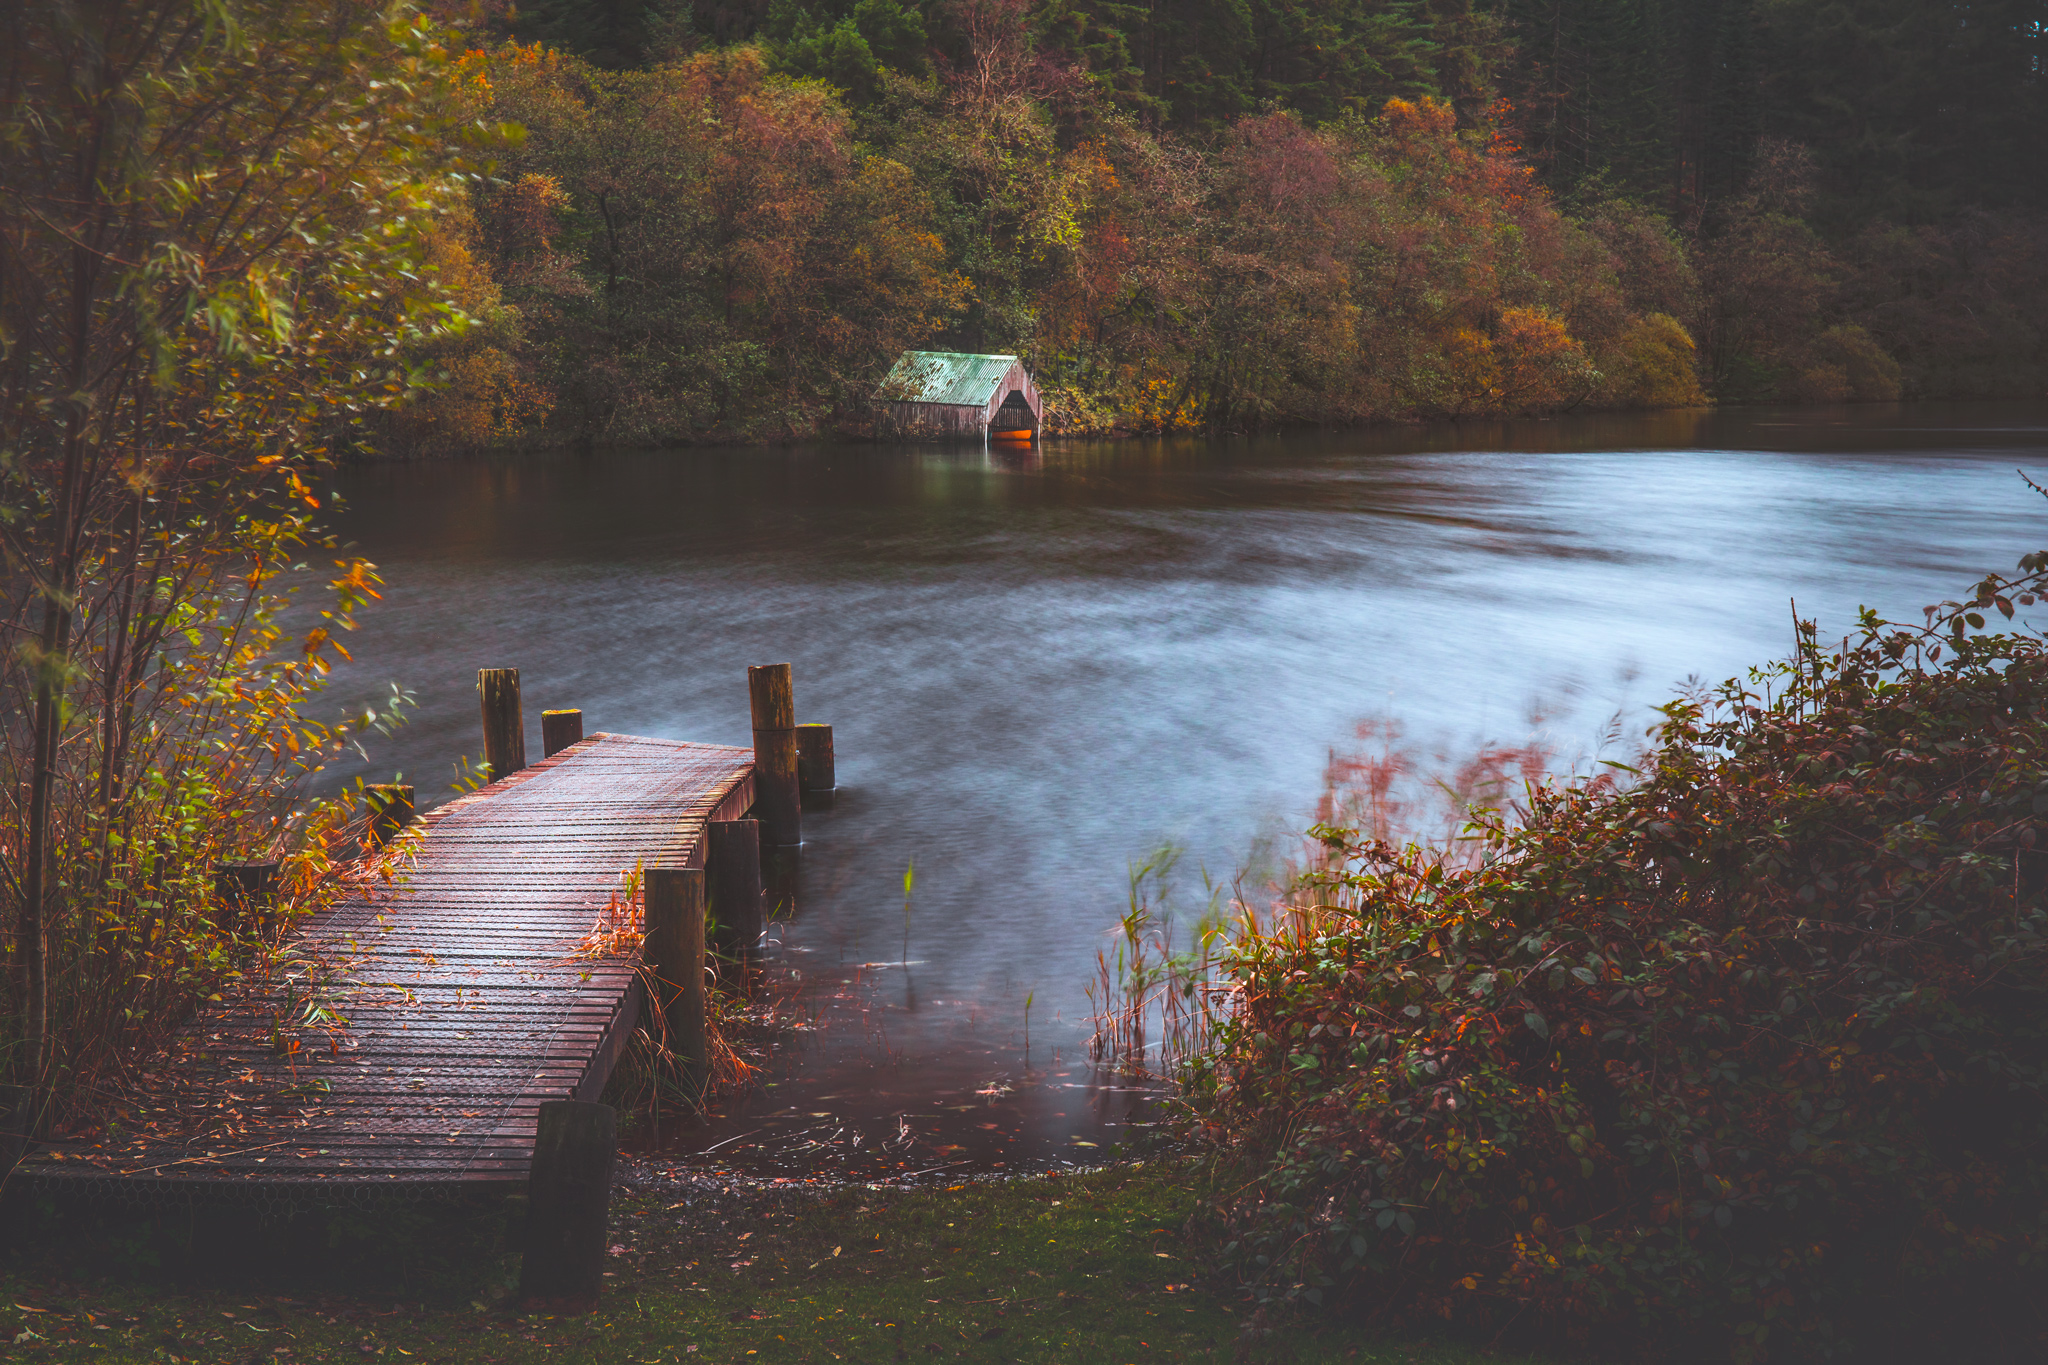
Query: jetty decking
[[426, 1018]]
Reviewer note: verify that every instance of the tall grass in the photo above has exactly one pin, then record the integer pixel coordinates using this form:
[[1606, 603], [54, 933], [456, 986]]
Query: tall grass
[[1152, 1004]]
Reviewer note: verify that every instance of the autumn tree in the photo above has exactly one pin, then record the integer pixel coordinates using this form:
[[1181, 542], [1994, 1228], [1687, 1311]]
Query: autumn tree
[[213, 219], [1770, 277], [702, 248], [1483, 298], [1275, 336], [1204, 63], [1961, 305]]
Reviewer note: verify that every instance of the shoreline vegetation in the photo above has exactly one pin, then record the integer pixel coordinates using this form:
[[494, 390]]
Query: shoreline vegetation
[[724, 227], [1734, 1048]]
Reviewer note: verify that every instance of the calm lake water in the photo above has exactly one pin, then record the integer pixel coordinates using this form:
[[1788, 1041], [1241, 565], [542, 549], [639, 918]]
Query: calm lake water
[[1042, 668]]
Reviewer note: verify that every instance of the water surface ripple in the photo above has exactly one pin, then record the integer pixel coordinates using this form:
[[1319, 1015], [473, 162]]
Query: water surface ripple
[[1043, 667]]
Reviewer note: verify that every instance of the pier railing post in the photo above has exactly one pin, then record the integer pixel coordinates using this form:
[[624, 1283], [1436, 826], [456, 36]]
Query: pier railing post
[[504, 730], [672, 900], [816, 774], [569, 1192], [244, 891], [391, 810], [778, 803], [558, 730], [733, 863]]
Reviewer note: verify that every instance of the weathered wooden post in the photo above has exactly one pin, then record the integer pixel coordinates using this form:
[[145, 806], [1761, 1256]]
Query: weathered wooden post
[[569, 1191], [504, 730], [780, 869], [778, 802], [814, 766], [391, 810], [732, 856], [244, 891], [558, 730], [672, 901]]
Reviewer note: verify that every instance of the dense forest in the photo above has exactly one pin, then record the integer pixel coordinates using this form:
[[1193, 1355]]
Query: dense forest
[[1741, 1056], [724, 219]]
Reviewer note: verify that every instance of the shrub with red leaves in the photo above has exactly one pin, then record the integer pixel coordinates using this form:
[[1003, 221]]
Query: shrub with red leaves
[[1749, 1055]]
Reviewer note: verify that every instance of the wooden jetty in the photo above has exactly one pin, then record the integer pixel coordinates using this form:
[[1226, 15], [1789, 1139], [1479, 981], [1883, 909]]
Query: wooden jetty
[[424, 1020], [461, 983]]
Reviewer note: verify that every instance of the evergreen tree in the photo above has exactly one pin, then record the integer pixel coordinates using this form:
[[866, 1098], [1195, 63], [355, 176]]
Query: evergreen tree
[[1201, 63], [1913, 109], [1593, 85], [848, 45], [610, 33]]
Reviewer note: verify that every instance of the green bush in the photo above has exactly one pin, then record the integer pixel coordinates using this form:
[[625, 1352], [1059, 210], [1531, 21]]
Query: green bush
[[1745, 1054]]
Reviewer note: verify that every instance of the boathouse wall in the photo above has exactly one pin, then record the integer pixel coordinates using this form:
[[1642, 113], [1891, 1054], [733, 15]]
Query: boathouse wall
[[947, 395]]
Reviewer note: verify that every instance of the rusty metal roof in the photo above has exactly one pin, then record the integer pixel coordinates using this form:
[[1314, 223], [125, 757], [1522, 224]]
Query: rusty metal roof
[[946, 377]]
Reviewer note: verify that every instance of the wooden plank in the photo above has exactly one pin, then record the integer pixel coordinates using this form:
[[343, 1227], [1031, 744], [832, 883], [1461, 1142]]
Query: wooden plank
[[466, 1003]]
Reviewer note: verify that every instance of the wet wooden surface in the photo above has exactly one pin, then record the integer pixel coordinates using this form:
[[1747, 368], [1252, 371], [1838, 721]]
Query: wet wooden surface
[[434, 1012]]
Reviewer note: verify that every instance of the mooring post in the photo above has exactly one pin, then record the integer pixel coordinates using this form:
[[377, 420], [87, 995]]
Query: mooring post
[[569, 1190], [244, 891], [732, 856], [504, 730], [815, 771], [391, 810], [672, 901], [558, 730], [779, 872], [778, 802]]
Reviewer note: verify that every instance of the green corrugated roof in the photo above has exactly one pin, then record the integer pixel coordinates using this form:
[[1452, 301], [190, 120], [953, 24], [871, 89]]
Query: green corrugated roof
[[946, 377]]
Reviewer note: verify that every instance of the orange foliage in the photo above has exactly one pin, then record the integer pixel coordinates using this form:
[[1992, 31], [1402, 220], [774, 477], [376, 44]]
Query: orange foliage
[[1540, 366], [709, 250], [705, 244], [482, 389]]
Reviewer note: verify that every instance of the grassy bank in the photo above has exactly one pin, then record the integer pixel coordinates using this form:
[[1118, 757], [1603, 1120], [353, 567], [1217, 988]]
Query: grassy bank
[[1078, 1268]]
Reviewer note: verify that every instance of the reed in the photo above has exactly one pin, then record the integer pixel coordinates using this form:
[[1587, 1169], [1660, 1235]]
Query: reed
[[1154, 1007], [909, 878]]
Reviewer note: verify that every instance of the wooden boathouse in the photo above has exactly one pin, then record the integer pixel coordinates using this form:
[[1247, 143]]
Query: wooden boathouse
[[956, 395]]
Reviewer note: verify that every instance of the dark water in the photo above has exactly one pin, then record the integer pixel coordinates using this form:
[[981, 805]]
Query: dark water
[[1044, 667]]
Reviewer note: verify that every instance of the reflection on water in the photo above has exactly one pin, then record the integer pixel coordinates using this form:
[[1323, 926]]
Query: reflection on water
[[1042, 666]]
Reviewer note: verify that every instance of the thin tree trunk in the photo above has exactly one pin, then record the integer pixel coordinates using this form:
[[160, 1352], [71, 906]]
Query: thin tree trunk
[[31, 933], [31, 938], [114, 732]]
